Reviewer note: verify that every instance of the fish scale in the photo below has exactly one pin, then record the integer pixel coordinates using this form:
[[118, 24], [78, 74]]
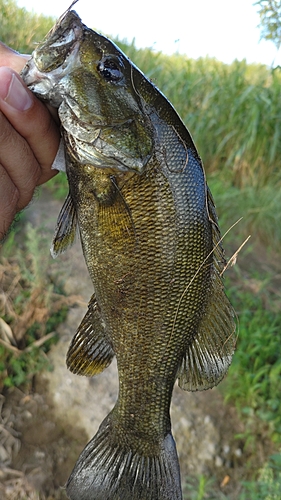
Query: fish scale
[[150, 238]]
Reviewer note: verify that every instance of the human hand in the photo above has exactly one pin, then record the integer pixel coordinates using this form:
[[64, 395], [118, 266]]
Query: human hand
[[29, 139]]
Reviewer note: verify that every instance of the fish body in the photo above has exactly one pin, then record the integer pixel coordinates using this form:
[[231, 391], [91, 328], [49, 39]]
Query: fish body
[[150, 238]]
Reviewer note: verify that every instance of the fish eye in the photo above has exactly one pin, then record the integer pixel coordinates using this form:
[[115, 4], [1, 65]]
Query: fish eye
[[110, 70]]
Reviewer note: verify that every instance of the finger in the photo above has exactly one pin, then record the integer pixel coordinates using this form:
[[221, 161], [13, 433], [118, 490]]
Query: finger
[[19, 165], [32, 120], [16, 61], [11, 58]]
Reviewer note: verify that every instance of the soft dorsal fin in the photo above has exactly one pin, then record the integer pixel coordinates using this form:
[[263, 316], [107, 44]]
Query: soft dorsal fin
[[90, 351], [208, 357], [66, 228]]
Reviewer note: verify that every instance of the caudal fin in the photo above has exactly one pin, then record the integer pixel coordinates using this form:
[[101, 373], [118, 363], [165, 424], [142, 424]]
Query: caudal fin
[[107, 470]]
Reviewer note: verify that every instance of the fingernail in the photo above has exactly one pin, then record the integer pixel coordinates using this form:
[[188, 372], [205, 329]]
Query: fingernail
[[13, 92]]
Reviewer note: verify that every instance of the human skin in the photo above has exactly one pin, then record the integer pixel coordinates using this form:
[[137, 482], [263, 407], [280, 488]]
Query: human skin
[[29, 139]]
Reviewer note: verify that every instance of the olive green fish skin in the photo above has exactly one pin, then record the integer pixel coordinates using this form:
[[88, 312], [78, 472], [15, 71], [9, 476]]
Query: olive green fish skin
[[152, 246]]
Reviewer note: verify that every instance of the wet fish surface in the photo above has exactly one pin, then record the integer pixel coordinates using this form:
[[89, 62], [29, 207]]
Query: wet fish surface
[[150, 237]]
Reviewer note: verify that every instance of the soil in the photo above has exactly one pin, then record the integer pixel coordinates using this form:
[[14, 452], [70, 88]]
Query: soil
[[46, 427]]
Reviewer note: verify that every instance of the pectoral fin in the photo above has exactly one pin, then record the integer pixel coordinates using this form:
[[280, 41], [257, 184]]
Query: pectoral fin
[[90, 351], [66, 228]]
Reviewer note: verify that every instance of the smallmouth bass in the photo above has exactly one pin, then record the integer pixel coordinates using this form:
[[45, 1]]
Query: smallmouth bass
[[150, 237]]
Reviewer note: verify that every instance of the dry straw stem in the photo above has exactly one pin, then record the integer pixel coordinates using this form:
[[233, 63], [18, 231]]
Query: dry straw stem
[[36, 343], [232, 261], [6, 333]]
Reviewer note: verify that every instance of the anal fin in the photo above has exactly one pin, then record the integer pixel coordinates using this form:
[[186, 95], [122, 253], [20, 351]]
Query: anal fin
[[90, 351]]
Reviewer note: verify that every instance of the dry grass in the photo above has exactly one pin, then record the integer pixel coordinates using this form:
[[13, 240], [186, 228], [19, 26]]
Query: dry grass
[[32, 304]]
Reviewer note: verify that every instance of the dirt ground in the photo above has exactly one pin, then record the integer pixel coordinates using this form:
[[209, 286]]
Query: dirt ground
[[45, 429]]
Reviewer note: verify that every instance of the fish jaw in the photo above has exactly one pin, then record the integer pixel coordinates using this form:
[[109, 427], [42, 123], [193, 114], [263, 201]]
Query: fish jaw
[[47, 72]]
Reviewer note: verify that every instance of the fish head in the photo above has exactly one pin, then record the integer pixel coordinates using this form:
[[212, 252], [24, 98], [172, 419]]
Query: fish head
[[90, 80]]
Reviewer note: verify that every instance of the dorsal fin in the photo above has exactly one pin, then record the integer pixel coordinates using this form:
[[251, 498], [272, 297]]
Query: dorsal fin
[[208, 357]]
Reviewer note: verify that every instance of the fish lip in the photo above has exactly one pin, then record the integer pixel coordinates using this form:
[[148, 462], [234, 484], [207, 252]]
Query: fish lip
[[42, 84], [38, 82], [31, 74]]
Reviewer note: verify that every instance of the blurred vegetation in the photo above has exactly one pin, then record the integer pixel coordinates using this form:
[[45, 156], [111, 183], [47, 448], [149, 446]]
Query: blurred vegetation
[[267, 485], [234, 114], [21, 29]]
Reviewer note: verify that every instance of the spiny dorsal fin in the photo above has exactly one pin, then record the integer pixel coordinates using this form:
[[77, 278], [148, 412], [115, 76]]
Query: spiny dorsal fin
[[90, 351], [66, 228], [208, 358]]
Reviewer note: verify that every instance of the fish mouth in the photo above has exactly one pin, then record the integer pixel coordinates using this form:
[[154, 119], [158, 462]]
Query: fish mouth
[[38, 82], [54, 59], [47, 85]]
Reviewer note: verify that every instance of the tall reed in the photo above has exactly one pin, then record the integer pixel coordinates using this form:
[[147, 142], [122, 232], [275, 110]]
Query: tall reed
[[233, 111]]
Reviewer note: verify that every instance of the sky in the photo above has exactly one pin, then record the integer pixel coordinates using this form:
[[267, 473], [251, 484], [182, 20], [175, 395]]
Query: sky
[[224, 29]]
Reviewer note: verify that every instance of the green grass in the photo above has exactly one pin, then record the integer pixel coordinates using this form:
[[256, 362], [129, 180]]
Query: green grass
[[32, 305], [266, 486], [21, 29], [254, 379], [259, 208], [198, 488]]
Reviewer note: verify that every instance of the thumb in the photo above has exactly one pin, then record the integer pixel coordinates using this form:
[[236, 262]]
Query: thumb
[[11, 58], [13, 92], [33, 130]]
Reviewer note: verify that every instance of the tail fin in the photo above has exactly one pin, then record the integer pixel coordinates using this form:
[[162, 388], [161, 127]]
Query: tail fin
[[107, 470]]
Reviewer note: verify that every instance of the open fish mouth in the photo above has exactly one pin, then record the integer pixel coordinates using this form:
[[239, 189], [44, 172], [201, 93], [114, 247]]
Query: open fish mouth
[[53, 60]]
